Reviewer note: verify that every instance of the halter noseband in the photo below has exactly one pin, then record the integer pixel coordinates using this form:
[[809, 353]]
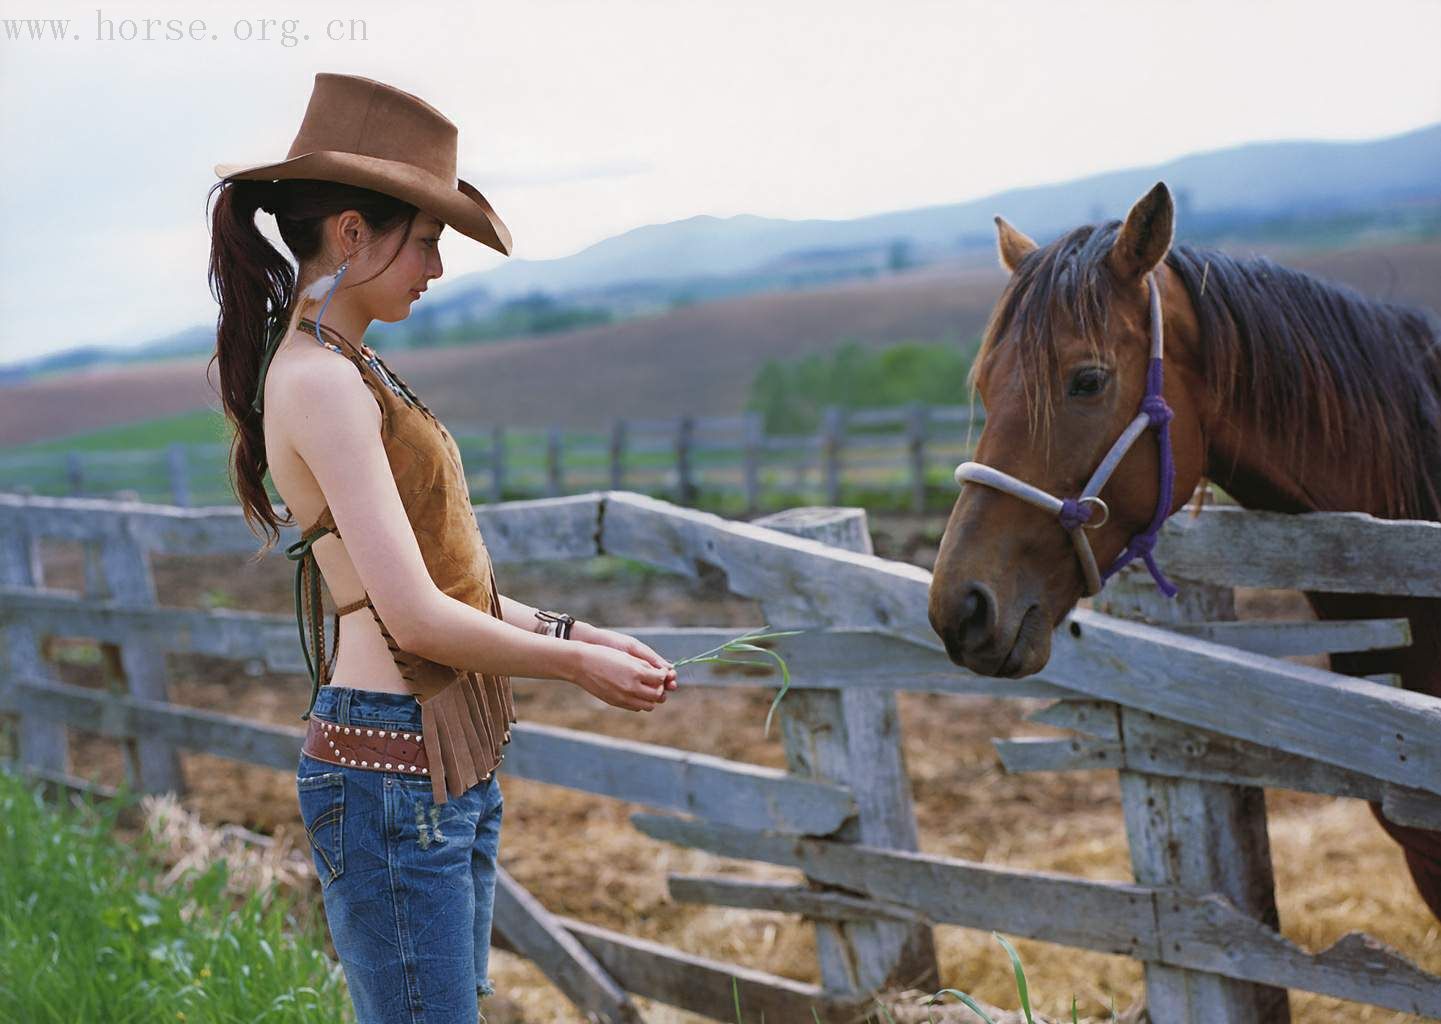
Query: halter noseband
[[1075, 513]]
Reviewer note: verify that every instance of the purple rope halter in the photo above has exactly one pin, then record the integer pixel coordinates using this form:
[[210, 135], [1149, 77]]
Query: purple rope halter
[[1075, 513]]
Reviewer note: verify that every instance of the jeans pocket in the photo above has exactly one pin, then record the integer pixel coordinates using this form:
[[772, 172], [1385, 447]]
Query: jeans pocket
[[322, 809]]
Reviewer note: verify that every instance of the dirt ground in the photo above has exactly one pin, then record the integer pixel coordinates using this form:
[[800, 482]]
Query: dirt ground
[[1336, 871]]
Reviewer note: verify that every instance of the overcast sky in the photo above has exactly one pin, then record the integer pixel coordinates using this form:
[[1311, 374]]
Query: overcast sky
[[580, 120]]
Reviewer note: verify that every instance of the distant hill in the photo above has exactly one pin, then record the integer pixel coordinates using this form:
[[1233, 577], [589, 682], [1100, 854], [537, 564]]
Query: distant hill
[[1255, 179], [698, 359], [1331, 193]]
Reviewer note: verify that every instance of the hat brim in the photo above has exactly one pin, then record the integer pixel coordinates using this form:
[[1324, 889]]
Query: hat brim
[[460, 206]]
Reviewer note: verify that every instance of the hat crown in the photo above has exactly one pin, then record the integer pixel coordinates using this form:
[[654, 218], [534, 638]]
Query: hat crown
[[353, 114]]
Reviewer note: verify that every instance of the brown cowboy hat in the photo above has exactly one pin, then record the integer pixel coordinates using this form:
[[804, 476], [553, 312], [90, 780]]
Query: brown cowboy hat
[[358, 131]]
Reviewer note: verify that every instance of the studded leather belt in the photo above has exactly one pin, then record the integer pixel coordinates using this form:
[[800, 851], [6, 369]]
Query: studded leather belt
[[360, 746]]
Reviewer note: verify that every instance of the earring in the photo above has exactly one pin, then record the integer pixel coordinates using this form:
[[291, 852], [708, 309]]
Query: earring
[[313, 292]]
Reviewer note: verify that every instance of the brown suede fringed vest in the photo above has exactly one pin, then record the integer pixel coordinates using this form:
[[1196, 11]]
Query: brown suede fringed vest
[[465, 716]]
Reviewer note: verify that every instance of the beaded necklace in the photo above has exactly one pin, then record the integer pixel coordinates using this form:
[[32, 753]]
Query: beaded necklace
[[372, 359]]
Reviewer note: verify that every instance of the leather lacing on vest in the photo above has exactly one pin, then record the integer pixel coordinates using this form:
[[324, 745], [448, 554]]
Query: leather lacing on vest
[[457, 719]]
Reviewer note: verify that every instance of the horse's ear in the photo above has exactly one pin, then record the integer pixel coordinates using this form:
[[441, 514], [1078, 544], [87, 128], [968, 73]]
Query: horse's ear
[[1013, 244], [1145, 237]]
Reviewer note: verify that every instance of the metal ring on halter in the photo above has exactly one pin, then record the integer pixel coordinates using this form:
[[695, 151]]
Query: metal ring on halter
[[1105, 511]]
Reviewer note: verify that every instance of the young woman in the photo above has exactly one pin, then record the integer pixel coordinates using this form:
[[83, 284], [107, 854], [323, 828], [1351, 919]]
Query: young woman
[[397, 779]]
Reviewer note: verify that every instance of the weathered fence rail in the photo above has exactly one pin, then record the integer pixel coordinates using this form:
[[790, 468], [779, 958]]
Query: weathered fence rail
[[1197, 715], [903, 450]]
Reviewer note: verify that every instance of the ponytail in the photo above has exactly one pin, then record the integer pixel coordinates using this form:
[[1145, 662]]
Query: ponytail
[[253, 283]]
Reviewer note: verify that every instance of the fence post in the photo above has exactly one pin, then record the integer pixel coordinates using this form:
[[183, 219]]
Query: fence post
[[42, 742], [179, 473], [75, 473], [852, 737], [125, 565], [554, 475], [618, 438], [833, 431], [685, 483], [497, 463], [917, 422], [753, 437], [1199, 837]]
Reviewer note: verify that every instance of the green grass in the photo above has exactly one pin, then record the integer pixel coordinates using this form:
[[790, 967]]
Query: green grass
[[202, 426], [1022, 990], [88, 934]]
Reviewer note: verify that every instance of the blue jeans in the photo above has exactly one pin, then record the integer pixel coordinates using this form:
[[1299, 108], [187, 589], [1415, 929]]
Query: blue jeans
[[408, 884]]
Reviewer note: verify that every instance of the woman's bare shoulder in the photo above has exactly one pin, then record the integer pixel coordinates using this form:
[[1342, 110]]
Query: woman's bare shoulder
[[305, 383]]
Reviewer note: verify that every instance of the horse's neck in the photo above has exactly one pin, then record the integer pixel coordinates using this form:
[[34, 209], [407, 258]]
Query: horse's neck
[[1254, 470]]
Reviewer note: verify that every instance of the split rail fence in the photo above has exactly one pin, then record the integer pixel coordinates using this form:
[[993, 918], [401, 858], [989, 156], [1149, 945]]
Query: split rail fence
[[1198, 716], [899, 450]]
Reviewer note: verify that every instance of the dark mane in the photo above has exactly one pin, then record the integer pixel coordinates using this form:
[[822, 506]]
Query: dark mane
[[1339, 376]]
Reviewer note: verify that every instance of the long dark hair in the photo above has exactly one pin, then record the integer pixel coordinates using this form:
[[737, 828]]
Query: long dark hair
[[255, 287]]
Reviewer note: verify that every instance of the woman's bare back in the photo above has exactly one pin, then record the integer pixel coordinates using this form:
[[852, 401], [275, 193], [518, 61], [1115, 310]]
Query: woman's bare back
[[363, 660]]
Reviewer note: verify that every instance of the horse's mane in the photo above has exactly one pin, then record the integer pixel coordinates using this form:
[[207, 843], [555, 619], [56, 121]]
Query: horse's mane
[[1337, 375]]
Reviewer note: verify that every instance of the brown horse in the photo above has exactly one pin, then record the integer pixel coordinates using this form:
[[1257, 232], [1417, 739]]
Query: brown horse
[[1291, 393]]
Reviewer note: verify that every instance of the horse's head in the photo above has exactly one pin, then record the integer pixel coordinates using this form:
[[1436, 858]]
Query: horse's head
[[1062, 372]]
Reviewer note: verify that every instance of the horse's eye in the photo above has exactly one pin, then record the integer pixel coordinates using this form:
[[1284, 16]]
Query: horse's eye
[[1089, 380]]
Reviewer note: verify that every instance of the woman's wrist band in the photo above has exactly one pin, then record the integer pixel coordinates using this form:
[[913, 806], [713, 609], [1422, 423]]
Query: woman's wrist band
[[557, 624]]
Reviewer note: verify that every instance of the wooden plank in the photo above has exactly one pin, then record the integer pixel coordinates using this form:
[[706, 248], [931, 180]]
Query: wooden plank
[[1097, 718], [685, 484], [1159, 747], [535, 933], [1210, 934], [785, 898], [1112, 917], [41, 744], [917, 431], [819, 658], [125, 565], [754, 441], [1080, 753], [221, 632], [832, 444], [1201, 933], [1162, 747], [536, 530], [554, 462], [497, 463], [709, 987], [541, 530], [712, 787], [1340, 552], [1389, 734], [120, 716], [642, 773], [616, 454], [1202, 837], [1197, 837], [1297, 708], [853, 737], [1282, 639]]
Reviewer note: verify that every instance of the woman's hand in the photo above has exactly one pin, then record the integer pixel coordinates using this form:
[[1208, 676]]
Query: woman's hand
[[586, 633], [620, 679]]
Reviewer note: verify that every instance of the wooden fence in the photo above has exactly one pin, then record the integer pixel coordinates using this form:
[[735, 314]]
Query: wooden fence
[[902, 450], [1198, 715]]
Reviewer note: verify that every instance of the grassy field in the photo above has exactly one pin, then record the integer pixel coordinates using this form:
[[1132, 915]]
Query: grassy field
[[94, 928]]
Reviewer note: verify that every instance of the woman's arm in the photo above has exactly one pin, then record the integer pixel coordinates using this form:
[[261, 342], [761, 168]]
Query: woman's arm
[[521, 614], [518, 613]]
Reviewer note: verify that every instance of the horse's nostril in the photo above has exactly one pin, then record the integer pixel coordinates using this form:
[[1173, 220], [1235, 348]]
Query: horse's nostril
[[970, 605], [978, 619]]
